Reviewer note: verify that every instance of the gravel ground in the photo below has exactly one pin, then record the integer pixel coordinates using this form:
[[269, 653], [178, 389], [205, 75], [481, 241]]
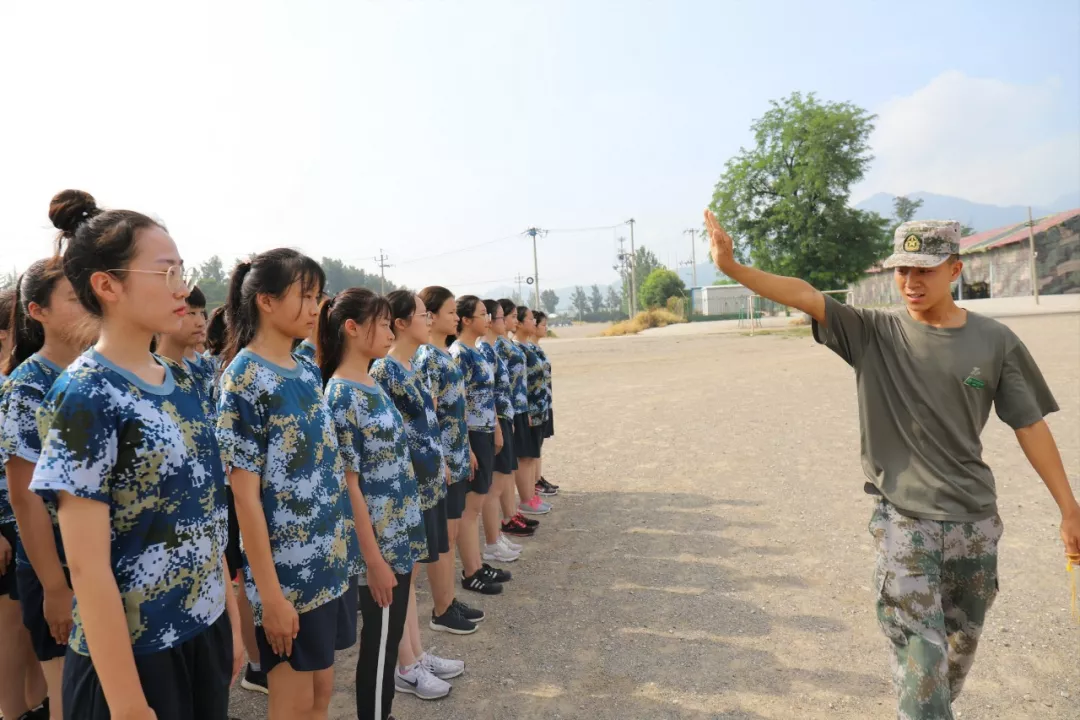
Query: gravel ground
[[709, 558]]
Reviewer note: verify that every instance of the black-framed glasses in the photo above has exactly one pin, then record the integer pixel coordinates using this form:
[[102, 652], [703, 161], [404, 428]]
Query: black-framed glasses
[[175, 280], [481, 317]]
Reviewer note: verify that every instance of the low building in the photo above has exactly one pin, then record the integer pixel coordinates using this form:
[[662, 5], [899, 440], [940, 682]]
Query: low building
[[997, 263]]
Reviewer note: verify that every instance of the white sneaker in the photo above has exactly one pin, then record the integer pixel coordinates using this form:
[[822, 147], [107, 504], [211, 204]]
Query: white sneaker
[[442, 668], [419, 681], [499, 553], [511, 546]]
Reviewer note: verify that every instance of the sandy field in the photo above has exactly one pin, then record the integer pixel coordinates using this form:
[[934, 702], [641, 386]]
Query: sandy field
[[708, 556]]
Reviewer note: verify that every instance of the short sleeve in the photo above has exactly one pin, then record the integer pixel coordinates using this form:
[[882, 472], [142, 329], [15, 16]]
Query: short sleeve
[[846, 331], [350, 438], [79, 445], [19, 435], [1022, 398], [241, 432]]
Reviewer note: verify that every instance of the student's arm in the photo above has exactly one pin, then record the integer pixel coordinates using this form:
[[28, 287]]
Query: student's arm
[[380, 576], [87, 531], [792, 292], [281, 622], [36, 534], [1042, 452], [233, 611]]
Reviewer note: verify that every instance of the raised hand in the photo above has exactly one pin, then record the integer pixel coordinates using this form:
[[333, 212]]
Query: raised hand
[[723, 248]]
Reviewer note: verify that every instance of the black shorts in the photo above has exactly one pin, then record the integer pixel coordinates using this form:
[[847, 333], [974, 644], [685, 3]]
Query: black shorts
[[233, 556], [524, 439], [347, 610], [455, 500], [549, 424], [538, 438], [314, 646], [32, 601], [483, 446], [438, 539], [185, 682], [506, 460], [8, 585]]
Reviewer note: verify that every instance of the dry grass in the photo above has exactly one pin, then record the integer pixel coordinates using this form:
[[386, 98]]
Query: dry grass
[[643, 321]]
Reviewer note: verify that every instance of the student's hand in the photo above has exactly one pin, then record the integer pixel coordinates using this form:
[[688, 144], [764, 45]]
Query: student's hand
[[57, 606], [449, 481], [281, 625], [498, 439], [381, 582], [5, 554], [140, 713], [721, 244], [474, 464], [237, 653], [1070, 532]]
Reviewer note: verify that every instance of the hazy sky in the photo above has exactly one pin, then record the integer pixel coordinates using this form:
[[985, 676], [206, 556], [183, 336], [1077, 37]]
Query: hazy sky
[[423, 127]]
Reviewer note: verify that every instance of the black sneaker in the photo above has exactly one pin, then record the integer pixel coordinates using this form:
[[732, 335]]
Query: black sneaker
[[553, 486], [479, 582], [452, 621], [41, 712], [520, 529], [255, 681], [526, 521], [469, 613], [495, 574], [545, 488]]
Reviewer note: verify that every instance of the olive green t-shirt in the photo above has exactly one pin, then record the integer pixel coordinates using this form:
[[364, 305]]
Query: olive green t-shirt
[[924, 397]]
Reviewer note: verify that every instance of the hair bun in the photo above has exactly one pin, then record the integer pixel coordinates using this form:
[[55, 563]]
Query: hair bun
[[71, 208]]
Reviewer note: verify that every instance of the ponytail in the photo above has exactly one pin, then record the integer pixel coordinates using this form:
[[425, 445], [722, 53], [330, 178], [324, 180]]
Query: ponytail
[[357, 304], [239, 325], [35, 286], [329, 343]]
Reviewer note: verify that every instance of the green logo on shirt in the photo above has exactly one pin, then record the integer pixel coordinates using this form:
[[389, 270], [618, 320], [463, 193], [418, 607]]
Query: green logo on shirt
[[973, 380]]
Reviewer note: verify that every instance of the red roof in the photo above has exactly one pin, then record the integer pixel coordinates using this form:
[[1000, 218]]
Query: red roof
[[1011, 233]]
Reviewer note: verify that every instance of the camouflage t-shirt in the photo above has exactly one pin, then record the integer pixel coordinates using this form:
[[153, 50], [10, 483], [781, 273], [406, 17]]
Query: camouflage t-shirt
[[273, 422], [514, 359], [536, 385], [479, 387], [148, 453], [447, 387], [504, 404], [413, 400], [305, 350], [20, 398], [547, 378], [373, 444], [7, 515], [206, 371]]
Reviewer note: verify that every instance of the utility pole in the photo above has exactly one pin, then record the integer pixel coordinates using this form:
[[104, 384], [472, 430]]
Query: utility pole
[[633, 270], [623, 269], [536, 266], [519, 279], [1031, 258], [381, 260], [693, 252]]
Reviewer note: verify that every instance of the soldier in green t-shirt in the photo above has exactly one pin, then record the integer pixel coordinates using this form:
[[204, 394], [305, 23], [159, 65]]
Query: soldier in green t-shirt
[[927, 376]]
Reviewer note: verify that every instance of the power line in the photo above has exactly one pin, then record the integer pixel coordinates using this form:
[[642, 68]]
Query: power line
[[585, 229]]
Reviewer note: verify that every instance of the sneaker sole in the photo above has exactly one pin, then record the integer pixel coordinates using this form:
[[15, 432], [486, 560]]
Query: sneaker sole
[[496, 558], [459, 673], [453, 631], [530, 511], [253, 687], [489, 591], [414, 691]]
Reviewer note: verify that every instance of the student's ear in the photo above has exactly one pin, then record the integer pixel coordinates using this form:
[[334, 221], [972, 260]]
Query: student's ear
[[955, 270]]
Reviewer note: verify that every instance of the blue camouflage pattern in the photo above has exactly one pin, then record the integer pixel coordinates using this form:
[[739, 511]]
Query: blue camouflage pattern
[[413, 400], [547, 379], [504, 404], [373, 442], [205, 371], [447, 386], [150, 455], [305, 350], [7, 515], [273, 423], [536, 385], [20, 398], [514, 359], [479, 387]]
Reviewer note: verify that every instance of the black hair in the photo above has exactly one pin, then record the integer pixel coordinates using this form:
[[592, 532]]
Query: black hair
[[466, 306], [522, 311], [216, 332], [34, 286], [540, 316], [402, 307], [196, 299], [492, 307], [356, 304], [508, 306], [270, 273], [7, 302], [434, 297], [94, 240]]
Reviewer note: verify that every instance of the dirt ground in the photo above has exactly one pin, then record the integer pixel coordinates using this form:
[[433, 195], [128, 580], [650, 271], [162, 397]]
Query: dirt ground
[[708, 557]]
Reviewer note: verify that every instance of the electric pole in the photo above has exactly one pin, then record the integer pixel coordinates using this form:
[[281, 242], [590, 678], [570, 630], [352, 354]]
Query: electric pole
[[623, 269], [1031, 258], [536, 269], [693, 252], [381, 260], [519, 279], [633, 270]]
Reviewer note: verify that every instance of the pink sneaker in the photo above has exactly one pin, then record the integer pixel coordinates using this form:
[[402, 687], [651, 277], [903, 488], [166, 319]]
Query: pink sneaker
[[536, 506]]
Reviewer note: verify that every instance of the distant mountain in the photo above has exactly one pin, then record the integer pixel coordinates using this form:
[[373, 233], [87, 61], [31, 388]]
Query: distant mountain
[[977, 215]]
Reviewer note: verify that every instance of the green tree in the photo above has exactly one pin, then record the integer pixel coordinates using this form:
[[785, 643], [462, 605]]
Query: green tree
[[340, 276], [212, 269], [550, 301], [966, 230], [786, 199], [614, 300], [659, 286], [596, 300], [904, 208], [214, 290], [580, 301], [724, 281]]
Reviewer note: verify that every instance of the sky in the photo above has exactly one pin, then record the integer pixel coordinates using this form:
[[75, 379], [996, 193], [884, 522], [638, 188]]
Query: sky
[[438, 131]]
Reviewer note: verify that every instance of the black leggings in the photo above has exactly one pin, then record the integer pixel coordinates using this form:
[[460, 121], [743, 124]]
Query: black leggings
[[367, 664]]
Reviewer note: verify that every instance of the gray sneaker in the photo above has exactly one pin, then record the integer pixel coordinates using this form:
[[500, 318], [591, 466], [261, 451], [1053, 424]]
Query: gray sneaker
[[420, 682]]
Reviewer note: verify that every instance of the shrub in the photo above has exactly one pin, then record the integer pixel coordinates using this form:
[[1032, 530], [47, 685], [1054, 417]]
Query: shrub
[[643, 321]]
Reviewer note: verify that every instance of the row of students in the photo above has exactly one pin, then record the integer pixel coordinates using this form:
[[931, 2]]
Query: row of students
[[340, 476]]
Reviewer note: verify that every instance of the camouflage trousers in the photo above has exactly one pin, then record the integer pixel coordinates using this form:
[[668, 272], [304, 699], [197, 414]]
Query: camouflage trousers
[[935, 582]]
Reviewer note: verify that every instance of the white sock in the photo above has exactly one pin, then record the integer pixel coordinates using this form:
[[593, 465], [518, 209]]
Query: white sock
[[255, 667]]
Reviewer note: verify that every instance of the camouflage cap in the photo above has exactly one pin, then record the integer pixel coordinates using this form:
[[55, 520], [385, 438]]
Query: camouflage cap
[[924, 243]]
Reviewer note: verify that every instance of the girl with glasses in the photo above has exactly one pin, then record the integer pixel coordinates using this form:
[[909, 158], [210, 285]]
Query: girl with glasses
[[279, 443], [128, 456]]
